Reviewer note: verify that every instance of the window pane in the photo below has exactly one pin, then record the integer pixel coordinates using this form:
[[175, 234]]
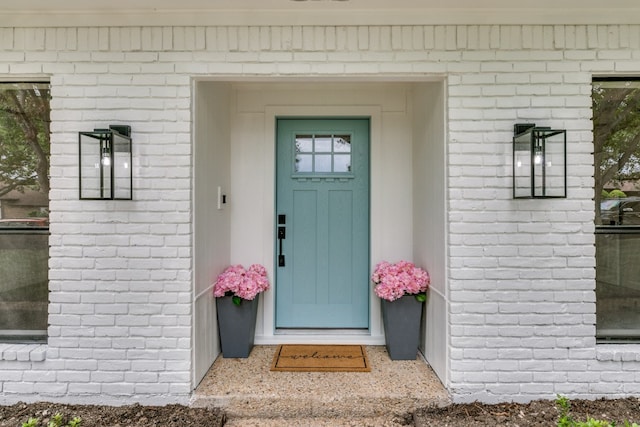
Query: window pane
[[304, 163], [342, 144], [91, 167], [24, 255], [304, 143], [616, 127], [323, 143], [342, 163], [121, 161], [617, 285], [323, 163], [24, 210]]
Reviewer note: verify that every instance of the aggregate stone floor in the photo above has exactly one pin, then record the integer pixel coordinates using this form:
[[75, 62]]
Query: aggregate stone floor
[[246, 389]]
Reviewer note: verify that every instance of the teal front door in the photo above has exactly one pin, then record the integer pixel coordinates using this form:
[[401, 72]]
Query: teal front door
[[322, 223]]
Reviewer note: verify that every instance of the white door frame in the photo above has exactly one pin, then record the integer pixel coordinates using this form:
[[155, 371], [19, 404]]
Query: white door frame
[[375, 334]]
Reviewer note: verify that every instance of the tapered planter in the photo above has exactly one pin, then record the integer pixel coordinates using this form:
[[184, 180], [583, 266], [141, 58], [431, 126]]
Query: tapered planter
[[237, 326], [401, 320]]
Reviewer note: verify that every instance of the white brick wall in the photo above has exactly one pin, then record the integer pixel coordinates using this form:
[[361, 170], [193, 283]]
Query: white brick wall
[[521, 279]]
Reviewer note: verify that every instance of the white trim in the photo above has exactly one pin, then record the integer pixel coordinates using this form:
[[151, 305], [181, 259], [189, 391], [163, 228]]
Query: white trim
[[271, 80], [618, 352], [320, 339], [422, 16], [204, 292], [23, 352], [26, 78], [437, 291]]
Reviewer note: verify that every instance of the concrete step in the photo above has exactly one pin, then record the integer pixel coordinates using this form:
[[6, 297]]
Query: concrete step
[[246, 389], [344, 408]]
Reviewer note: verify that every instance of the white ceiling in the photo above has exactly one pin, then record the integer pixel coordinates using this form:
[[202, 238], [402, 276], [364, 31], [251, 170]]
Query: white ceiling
[[309, 12]]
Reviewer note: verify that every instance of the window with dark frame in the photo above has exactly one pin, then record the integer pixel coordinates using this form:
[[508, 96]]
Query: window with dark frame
[[616, 132], [24, 210]]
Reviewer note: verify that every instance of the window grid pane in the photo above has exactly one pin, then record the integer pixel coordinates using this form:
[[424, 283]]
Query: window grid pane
[[322, 153]]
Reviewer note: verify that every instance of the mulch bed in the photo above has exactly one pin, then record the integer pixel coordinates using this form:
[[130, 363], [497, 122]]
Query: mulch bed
[[112, 416], [542, 413]]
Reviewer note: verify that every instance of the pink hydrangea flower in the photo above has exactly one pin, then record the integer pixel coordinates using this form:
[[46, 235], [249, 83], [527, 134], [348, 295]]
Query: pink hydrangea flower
[[396, 280], [237, 281]]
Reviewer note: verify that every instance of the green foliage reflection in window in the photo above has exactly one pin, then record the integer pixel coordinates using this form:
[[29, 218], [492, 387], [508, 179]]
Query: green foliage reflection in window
[[616, 139], [24, 210]]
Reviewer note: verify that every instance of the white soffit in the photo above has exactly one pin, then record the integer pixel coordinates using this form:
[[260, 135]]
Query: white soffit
[[57, 13]]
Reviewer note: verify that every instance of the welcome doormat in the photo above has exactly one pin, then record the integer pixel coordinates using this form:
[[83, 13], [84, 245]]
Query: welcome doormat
[[321, 358]]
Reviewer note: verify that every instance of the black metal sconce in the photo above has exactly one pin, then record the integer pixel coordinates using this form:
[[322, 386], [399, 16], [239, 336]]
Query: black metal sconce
[[539, 162], [105, 164]]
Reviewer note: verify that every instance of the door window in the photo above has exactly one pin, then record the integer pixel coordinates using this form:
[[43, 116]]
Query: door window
[[322, 154]]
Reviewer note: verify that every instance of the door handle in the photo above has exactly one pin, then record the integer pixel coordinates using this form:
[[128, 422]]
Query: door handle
[[282, 234]]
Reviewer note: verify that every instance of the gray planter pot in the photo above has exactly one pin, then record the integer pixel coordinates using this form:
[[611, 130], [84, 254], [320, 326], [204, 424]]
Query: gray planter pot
[[237, 326], [401, 320]]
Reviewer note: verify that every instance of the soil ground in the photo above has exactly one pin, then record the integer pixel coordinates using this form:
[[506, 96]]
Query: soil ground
[[537, 413], [542, 413], [110, 416]]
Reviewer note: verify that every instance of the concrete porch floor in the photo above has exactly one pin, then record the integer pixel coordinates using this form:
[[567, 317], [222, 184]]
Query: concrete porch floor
[[247, 390]]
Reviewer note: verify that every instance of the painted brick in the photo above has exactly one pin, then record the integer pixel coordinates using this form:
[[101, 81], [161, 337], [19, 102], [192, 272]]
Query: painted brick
[[20, 388], [497, 75], [117, 389], [154, 388]]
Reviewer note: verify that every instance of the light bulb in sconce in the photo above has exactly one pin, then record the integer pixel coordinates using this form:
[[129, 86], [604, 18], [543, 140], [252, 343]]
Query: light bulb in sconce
[[519, 164], [125, 165], [538, 159], [106, 157]]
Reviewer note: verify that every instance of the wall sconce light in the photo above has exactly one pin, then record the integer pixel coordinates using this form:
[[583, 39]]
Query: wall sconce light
[[105, 164], [539, 162]]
